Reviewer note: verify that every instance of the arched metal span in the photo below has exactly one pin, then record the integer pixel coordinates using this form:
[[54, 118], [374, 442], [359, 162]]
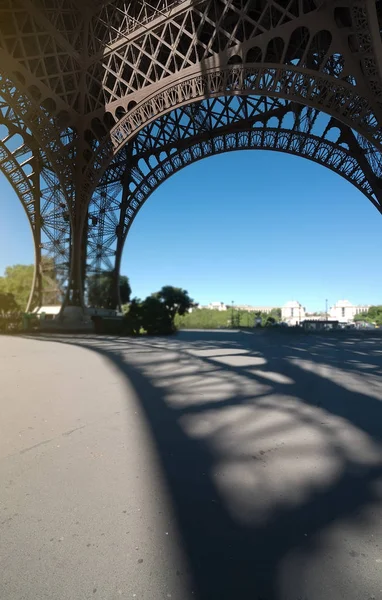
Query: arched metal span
[[113, 97], [214, 126]]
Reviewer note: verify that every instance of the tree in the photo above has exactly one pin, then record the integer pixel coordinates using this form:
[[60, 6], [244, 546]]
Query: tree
[[124, 289], [99, 289], [8, 304], [17, 281], [363, 316], [270, 321], [159, 310], [235, 318], [373, 315], [156, 318], [133, 317], [176, 300], [276, 313], [101, 292], [9, 313]]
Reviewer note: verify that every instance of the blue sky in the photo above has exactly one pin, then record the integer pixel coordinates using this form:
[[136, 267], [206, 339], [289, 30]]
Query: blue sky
[[256, 227]]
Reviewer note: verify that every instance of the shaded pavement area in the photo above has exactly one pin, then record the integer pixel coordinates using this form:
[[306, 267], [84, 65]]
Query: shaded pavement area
[[210, 465]]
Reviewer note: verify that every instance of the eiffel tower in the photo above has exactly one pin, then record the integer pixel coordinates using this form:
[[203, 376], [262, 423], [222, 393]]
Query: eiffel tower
[[103, 100]]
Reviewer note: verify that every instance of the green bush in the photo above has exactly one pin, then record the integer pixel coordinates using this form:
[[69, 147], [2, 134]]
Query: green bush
[[156, 314], [133, 317], [205, 318], [156, 319], [12, 323], [10, 315], [270, 321]]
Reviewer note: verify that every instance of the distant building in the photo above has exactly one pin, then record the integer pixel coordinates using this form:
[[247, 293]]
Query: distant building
[[249, 308], [344, 311], [214, 306], [245, 307], [292, 313]]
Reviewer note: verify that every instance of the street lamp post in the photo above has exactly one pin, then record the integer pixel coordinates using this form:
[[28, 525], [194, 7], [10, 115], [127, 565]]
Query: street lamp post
[[326, 309], [232, 301]]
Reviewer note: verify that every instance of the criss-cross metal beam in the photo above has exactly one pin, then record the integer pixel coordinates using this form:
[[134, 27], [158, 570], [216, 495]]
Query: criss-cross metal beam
[[37, 187]]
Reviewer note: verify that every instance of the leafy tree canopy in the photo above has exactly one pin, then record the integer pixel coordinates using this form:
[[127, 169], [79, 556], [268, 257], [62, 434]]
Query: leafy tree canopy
[[276, 313], [214, 319], [8, 304], [361, 316], [373, 315], [270, 321], [176, 300], [124, 289], [17, 281], [133, 316], [101, 293], [155, 317], [157, 312]]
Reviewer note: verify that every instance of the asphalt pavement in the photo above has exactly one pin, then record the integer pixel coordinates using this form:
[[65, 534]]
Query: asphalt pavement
[[210, 465]]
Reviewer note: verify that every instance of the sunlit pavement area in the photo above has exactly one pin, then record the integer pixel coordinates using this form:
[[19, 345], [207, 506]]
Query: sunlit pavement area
[[211, 465]]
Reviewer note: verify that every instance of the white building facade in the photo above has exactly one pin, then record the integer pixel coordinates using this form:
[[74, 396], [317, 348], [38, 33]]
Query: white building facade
[[245, 307], [293, 313], [344, 311], [214, 306]]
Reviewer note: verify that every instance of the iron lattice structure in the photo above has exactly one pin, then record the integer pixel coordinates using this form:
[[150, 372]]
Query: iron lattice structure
[[102, 100]]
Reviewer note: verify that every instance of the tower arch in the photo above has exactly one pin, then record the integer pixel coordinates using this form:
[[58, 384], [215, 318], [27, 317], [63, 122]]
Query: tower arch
[[214, 126]]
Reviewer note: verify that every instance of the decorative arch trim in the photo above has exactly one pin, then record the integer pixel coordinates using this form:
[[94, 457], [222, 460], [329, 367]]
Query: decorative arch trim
[[336, 98]]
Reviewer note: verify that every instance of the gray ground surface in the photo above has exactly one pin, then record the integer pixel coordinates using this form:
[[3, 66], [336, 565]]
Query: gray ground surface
[[211, 465]]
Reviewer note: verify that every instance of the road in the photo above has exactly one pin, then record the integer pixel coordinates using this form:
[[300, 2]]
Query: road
[[211, 465]]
